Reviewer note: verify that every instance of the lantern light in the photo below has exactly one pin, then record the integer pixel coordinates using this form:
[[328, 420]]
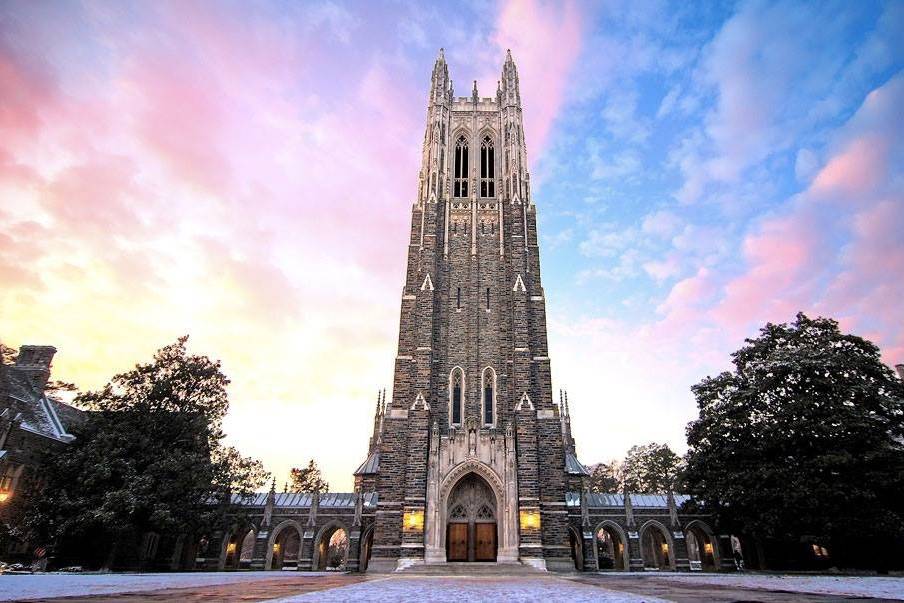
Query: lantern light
[[413, 520], [530, 520]]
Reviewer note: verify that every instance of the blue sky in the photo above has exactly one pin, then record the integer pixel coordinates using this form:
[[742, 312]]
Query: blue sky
[[244, 173]]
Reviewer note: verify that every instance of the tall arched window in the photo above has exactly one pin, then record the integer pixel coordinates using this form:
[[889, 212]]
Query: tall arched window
[[456, 396], [489, 396], [460, 185], [487, 168]]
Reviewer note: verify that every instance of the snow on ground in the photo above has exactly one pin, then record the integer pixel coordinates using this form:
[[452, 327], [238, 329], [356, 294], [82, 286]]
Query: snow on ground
[[13, 587], [855, 586], [429, 589]]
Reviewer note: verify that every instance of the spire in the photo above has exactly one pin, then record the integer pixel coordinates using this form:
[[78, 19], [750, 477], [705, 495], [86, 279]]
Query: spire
[[511, 92], [440, 84], [474, 95]]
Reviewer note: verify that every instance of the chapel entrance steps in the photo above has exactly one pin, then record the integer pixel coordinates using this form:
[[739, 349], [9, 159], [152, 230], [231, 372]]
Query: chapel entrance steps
[[474, 568]]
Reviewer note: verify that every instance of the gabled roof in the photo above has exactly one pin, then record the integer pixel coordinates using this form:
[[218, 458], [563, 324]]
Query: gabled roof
[[642, 501], [37, 413], [371, 465], [302, 500], [573, 466]]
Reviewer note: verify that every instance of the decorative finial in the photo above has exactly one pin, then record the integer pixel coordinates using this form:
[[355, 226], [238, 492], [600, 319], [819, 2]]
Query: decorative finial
[[474, 90]]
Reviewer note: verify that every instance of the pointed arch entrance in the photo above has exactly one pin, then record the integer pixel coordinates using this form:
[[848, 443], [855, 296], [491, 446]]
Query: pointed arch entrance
[[471, 530]]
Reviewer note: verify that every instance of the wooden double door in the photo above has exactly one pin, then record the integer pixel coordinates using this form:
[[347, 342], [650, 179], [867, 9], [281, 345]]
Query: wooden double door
[[471, 541]]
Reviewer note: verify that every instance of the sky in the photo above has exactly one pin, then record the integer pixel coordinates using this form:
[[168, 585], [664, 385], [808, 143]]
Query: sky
[[244, 172]]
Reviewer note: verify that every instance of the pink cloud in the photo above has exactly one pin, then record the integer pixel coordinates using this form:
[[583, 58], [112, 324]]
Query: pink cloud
[[858, 170], [545, 40]]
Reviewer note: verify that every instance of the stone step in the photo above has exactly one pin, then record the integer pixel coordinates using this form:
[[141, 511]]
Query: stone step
[[464, 568]]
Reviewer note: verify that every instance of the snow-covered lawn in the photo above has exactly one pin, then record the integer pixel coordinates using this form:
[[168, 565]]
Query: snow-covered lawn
[[430, 589], [13, 587], [855, 586]]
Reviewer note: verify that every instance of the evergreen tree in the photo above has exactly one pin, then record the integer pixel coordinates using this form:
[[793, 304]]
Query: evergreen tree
[[803, 439], [308, 479], [651, 468]]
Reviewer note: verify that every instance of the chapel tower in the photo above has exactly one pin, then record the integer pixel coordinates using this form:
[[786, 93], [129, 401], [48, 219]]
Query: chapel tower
[[471, 457]]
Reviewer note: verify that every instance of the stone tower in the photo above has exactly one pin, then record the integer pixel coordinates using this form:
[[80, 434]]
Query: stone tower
[[471, 456]]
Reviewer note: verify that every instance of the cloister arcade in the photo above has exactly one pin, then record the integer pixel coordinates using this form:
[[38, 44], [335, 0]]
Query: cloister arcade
[[304, 532], [642, 532]]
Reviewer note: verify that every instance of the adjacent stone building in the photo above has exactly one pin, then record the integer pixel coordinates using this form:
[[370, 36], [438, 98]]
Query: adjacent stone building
[[32, 425]]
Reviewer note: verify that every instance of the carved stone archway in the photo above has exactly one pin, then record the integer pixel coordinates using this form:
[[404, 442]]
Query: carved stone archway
[[439, 493], [613, 546], [657, 547], [471, 528]]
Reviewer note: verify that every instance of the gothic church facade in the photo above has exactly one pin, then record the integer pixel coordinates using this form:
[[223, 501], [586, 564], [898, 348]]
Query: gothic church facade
[[474, 457]]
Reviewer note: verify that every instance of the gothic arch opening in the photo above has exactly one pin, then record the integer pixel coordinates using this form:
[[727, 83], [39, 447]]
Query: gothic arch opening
[[460, 168], [367, 543], [239, 549], [456, 396], [331, 547], [285, 546], [487, 167], [656, 547], [611, 551], [488, 397], [701, 547], [577, 548], [471, 528]]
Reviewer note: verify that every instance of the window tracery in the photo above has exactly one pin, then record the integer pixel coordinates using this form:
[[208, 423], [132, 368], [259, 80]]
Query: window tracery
[[487, 168], [489, 396], [456, 394], [460, 184]]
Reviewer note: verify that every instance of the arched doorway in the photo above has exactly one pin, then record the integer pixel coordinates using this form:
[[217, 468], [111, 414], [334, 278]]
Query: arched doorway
[[286, 545], [471, 525], [610, 548], [331, 548], [655, 547], [701, 550]]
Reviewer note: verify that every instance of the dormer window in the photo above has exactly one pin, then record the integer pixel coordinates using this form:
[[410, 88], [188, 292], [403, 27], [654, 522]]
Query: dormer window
[[487, 168], [460, 184]]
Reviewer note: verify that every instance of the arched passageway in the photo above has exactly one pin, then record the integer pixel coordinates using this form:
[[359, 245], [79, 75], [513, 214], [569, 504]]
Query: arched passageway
[[610, 548], [577, 549], [331, 547], [285, 548], [471, 531], [239, 549], [701, 549], [655, 547], [367, 542]]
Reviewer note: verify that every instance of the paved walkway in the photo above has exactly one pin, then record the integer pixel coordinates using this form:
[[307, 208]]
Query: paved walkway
[[544, 588]]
